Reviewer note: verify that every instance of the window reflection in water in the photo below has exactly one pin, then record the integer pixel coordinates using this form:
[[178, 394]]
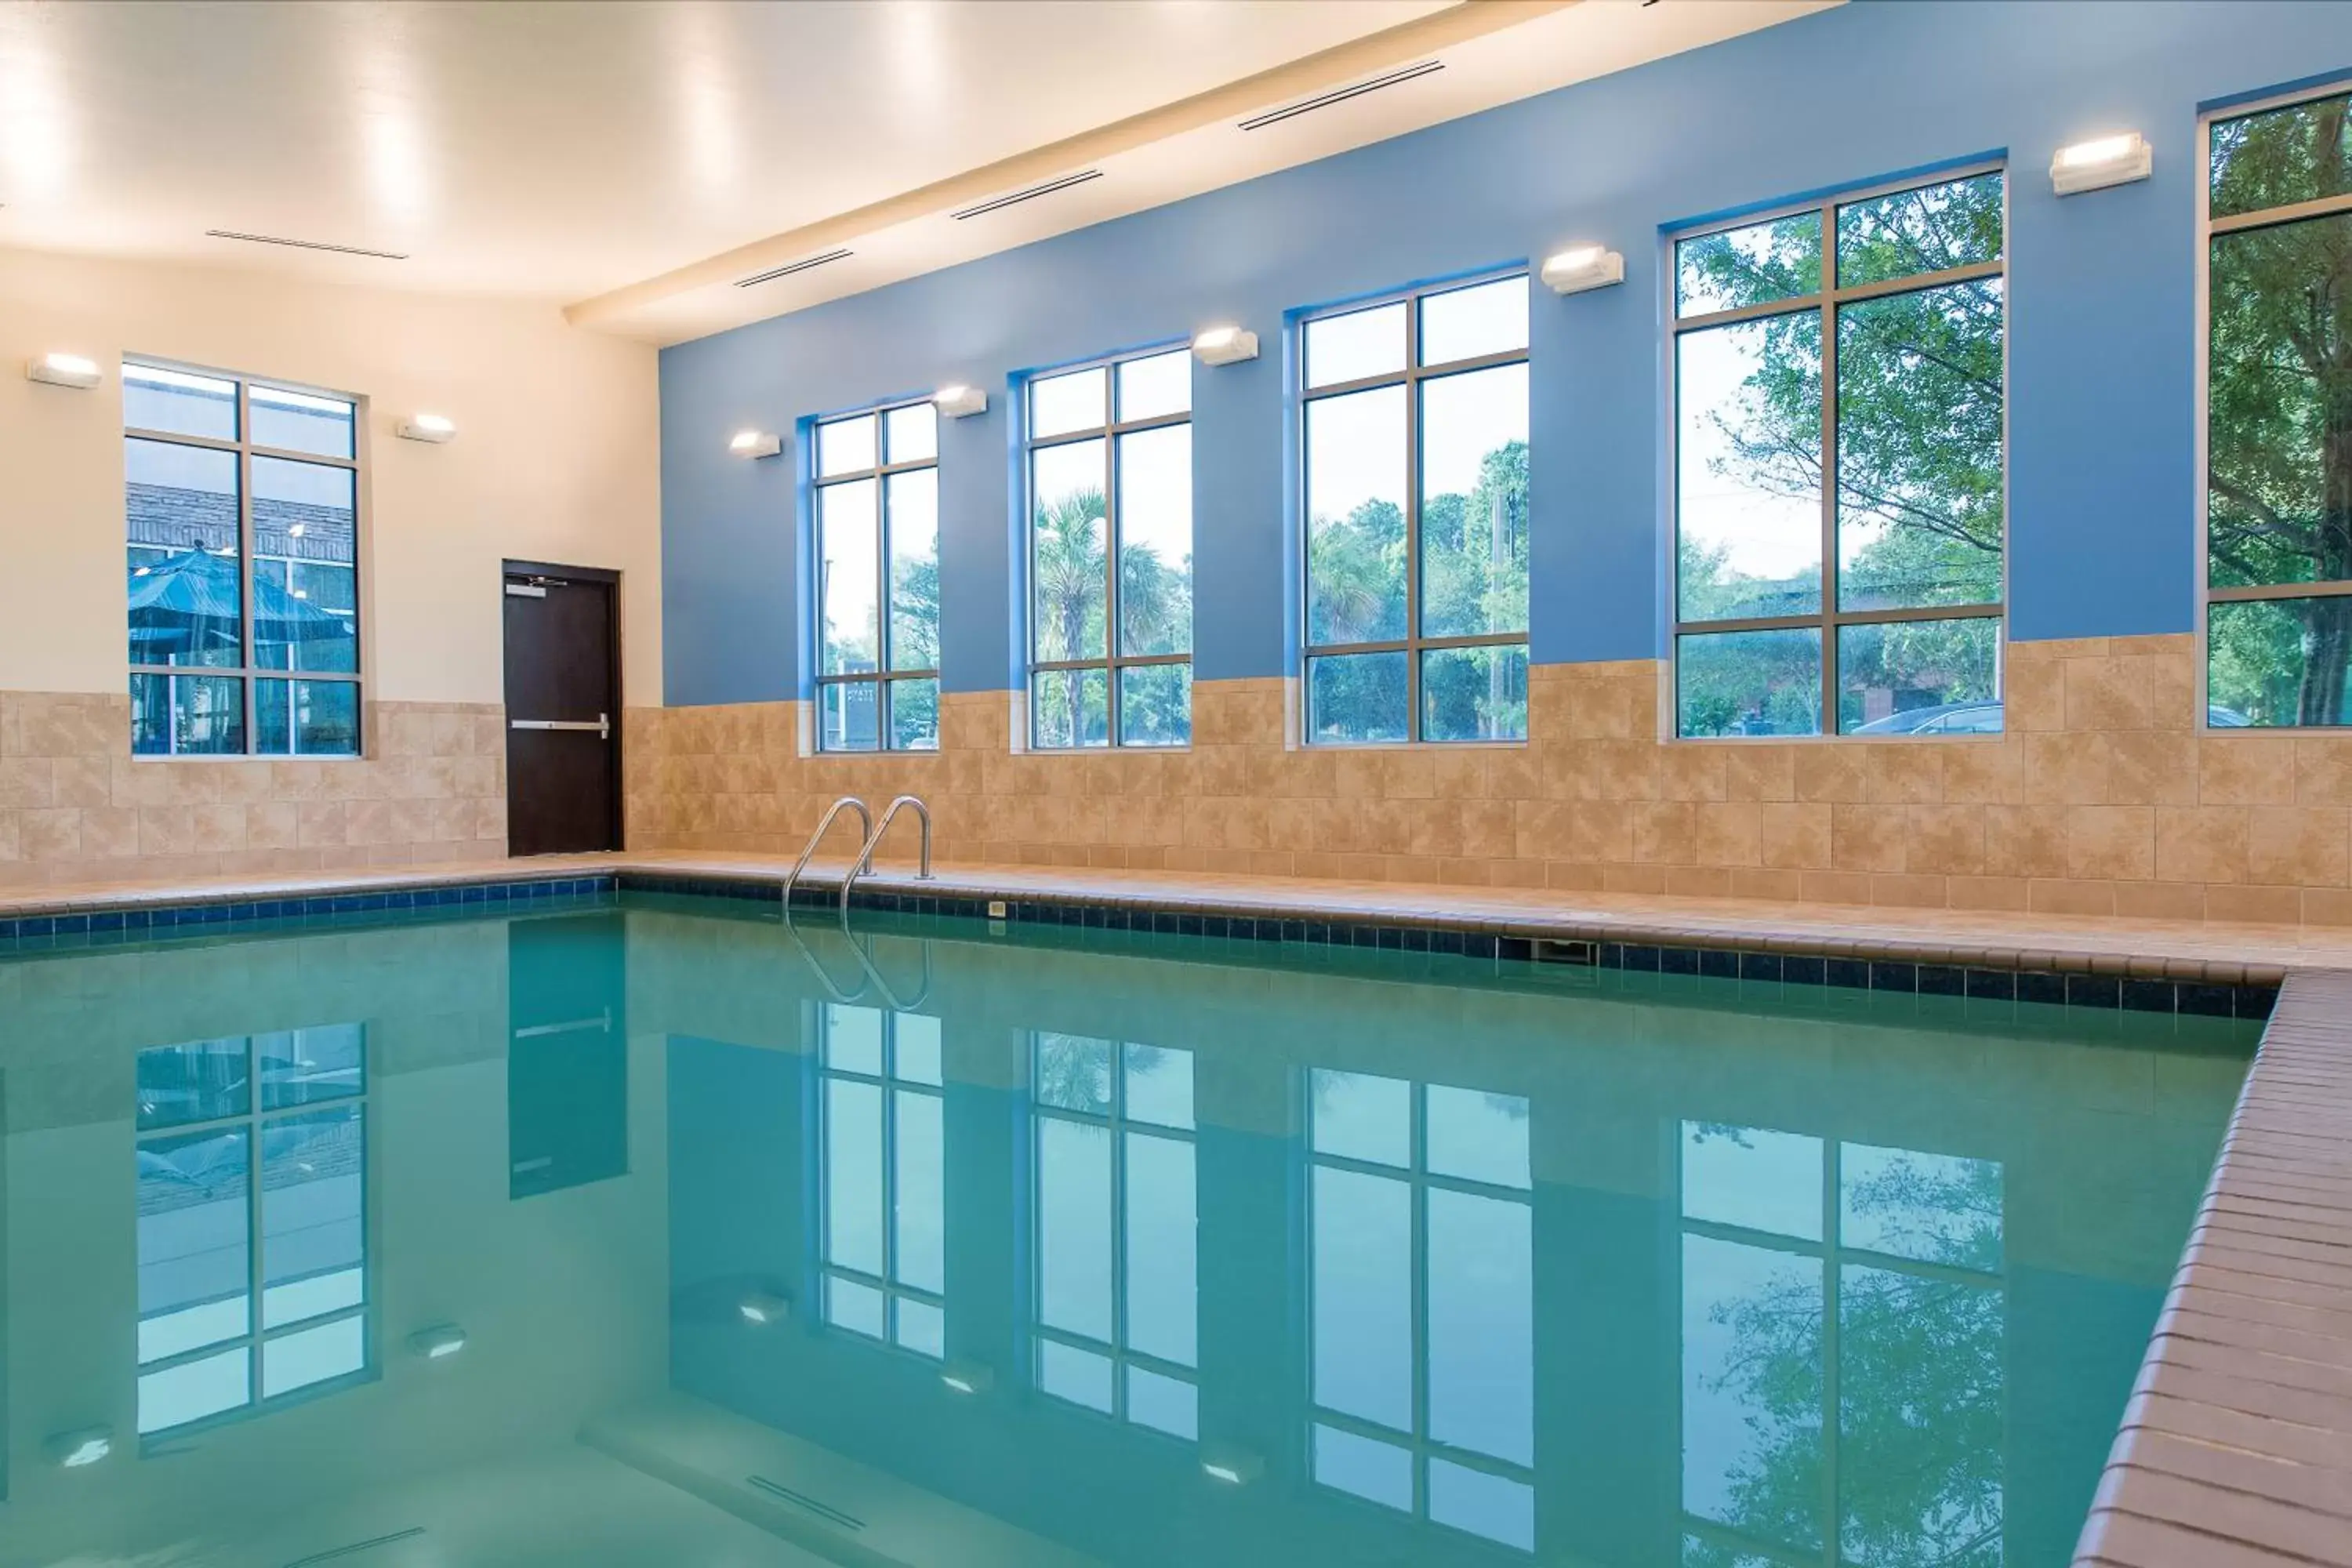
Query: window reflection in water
[[1423, 1300], [1117, 1226], [884, 1184], [1815, 1272], [212, 1240]]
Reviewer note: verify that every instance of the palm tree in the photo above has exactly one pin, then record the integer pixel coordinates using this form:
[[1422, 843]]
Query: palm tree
[[1069, 571], [1355, 574]]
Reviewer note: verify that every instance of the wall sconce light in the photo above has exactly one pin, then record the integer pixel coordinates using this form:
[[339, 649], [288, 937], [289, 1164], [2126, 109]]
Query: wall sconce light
[[1583, 267], [762, 1308], [960, 402], [72, 1450], [2102, 161], [969, 1377], [755, 444], [426, 427], [1234, 1466], [436, 1343], [1224, 345], [63, 370]]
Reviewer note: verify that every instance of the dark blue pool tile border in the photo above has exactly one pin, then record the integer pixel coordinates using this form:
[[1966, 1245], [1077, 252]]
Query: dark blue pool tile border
[[33, 933], [1884, 976], [1831, 971]]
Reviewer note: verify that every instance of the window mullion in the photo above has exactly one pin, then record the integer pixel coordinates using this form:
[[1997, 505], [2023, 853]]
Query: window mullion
[[245, 687], [881, 597], [1413, 518], [1829, 329], [1829, 723], [1111, 525]]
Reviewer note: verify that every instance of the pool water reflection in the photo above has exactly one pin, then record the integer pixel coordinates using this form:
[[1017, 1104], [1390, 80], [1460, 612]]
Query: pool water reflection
[[628, 1233]]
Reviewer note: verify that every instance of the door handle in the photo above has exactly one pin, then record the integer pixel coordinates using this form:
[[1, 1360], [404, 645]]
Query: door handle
[[603, 725]]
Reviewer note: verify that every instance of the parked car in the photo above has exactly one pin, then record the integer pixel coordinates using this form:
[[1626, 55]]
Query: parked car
[[1984, 718]]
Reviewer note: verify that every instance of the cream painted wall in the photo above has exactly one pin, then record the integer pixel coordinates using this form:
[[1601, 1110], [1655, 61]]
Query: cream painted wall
[[557, 458]]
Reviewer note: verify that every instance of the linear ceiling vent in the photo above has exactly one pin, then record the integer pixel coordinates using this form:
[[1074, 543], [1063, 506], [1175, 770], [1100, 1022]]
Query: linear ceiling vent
[[1031, 195], [801, 1501], [307, 245], [356, 1547], [1340, 95], [788, 269]]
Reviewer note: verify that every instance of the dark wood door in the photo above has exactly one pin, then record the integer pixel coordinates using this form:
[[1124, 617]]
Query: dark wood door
[[563, 712]]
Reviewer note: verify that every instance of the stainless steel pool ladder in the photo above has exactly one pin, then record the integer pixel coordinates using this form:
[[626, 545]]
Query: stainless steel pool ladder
[[866, 837], [865, 861]]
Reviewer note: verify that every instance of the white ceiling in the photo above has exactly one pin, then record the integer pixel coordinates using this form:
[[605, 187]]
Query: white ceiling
[[566, 150]]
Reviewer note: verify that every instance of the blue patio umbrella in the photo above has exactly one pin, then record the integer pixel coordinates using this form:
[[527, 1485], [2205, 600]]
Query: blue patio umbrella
[[191, 600]]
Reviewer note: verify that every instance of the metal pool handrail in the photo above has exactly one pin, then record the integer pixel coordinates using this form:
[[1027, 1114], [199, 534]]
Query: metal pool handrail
[[865, 861], [865, 817]]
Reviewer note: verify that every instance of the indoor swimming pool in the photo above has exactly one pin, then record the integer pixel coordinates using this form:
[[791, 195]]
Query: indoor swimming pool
[[638, 1228]]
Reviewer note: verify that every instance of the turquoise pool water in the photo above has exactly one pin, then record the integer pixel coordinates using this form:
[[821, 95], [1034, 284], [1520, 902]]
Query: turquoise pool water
[[641, 1233]]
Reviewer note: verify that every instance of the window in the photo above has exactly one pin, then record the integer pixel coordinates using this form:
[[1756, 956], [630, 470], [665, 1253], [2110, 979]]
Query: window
[[1415, 443], [878, 565], [243, 544], [1800, 1257], [1118, 1263], [884, 1177], [1111, 480], [1422, 1309], [252, 1187], [2278, 454], [1839, 466]]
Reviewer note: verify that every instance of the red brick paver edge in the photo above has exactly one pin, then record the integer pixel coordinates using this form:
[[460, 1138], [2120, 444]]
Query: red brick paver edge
[[2236, 1449]]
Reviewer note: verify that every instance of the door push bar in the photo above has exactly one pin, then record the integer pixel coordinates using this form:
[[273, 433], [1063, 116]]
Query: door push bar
[[603, 725]]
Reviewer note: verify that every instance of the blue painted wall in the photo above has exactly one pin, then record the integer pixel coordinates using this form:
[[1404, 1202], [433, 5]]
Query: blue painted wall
[[2102, 374]]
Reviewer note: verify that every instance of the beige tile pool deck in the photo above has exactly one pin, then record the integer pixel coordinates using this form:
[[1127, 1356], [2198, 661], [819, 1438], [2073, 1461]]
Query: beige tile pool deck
[[2236, 1449]]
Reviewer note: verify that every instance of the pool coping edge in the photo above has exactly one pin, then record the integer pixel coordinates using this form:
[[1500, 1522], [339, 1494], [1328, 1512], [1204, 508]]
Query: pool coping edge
[[2236, 1447]]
